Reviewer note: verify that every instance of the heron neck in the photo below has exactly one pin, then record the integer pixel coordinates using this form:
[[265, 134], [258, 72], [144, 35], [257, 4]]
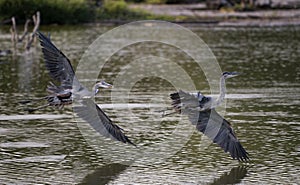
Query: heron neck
[[221, 97], [95, 89]]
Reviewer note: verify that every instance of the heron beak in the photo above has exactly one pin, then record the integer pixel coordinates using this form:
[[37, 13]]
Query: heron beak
[[102, 84], [105, 85], [233, 74]]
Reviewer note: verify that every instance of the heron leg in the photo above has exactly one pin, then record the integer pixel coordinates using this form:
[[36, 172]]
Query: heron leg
[[28, 101], [60, 107], [31, 110], [164, 111], [168, 114]]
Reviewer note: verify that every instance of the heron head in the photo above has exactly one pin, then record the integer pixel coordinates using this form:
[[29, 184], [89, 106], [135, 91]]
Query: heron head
[[102, 84], [229, 74]]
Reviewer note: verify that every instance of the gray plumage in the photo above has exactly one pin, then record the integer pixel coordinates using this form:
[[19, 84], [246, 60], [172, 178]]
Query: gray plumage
[[208, 121], [61, 70], [99, 121], [58, 65]]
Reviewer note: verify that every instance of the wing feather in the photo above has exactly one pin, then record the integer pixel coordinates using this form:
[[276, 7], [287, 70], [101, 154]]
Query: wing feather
[[220, 132], [94, 115], [58, 65], [184, 102]]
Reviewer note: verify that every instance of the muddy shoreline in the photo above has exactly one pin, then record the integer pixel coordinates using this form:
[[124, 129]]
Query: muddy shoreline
[[215, 23], [197, 15]]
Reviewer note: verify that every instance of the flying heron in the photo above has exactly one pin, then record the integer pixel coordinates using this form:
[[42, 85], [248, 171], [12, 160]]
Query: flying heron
[[201, 112], [61, 70]]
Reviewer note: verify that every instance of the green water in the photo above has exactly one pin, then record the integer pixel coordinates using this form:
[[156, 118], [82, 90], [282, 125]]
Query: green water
[[262, 105]]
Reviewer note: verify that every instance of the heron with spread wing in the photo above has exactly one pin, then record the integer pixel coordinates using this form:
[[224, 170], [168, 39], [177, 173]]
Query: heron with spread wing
[[61, 70], [201, 112]]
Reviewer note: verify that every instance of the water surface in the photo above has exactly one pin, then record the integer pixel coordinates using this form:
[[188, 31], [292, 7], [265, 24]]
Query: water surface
[[262, 105]]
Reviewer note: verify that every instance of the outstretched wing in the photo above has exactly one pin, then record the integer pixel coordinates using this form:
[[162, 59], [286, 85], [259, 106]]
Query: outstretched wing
[[220, 132], [58, 65], [186, 103], [91, 113]]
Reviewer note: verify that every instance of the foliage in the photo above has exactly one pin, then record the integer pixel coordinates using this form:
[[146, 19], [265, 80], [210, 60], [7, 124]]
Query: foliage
[[113, 9], [166, 1], [119, 10], [55, 11], [243, 7], [75, 11], [156, 1]]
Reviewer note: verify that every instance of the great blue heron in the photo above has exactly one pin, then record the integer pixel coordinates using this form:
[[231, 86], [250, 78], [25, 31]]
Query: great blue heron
[[59, 96], [61, 70], [201, 112]]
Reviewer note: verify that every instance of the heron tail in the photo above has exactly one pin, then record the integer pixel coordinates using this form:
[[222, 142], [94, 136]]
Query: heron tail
[[176, 101]]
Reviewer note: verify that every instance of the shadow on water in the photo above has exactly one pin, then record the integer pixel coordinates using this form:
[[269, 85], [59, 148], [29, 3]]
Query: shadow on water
[[235, 176], [104, 174]]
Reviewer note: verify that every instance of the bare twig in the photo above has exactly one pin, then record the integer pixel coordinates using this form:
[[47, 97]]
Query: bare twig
[[13, 30], [36, 20], [12, 34], [25, 32]]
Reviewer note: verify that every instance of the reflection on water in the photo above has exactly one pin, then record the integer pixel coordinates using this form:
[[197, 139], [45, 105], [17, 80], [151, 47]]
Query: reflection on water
[[235, 176], [262, 105], [104, 174]]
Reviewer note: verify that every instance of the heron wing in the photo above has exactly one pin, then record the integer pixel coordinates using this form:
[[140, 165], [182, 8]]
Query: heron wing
[[209, 122], [220, 132], [57, 63], [92, 113], [184, 102]]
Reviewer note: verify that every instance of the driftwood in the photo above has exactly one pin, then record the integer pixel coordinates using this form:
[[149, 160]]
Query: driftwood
[[31, 37], [13, 30], [36, 21], [25, 32]]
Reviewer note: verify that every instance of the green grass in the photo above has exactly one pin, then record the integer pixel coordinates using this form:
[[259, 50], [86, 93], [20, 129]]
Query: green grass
[[119, 10]]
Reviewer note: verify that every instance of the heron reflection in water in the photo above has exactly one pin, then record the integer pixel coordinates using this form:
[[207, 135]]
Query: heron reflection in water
[[201, 112], [61, 70]]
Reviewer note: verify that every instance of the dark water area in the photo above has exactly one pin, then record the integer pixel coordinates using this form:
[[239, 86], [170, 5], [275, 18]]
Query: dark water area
[[262, 104]]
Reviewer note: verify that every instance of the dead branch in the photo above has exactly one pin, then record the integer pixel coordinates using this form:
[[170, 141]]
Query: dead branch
[[36, 21], [13, 30], [25, 32]]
